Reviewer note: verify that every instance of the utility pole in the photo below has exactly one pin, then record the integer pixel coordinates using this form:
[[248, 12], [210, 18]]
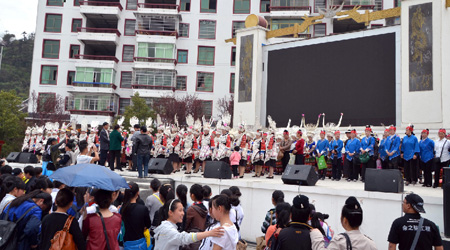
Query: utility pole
[[1, 53]]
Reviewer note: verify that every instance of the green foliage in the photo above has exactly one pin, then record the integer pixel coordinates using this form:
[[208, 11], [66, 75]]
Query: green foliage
[[15, 70], [138, 108], [12, 122]]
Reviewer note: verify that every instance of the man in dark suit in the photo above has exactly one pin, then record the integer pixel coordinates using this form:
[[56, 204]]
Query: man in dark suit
[[104, 144]]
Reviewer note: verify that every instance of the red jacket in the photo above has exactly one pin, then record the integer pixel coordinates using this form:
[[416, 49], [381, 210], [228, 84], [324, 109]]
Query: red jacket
[[299, 146]]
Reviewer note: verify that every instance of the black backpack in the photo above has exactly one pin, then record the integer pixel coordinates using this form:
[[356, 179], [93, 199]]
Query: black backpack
[[8, 231]]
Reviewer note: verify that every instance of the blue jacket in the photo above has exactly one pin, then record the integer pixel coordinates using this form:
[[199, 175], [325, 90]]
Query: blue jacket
[[367, 144], [392, 144], [410, 146], [353, 146], [310, 146], [382, 149], [322, 146], [29, 227], [426, 150], [338, 145]]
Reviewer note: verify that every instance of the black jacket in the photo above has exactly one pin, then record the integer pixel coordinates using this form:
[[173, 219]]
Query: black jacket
[[104, 140], [142, 144], [295, 237]]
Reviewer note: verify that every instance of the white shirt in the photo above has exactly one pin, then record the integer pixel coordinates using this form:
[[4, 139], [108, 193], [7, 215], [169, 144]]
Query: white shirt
[[229, 239], [445, 144], [237, 211], [54, 193], [6, 200], [84, 159], [93, 209]]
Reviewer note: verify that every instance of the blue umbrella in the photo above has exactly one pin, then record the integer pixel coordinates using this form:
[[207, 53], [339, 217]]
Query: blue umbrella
[[90, 175]]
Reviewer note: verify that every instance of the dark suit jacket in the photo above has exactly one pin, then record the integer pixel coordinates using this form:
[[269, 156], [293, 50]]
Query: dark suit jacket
[[104, 140]]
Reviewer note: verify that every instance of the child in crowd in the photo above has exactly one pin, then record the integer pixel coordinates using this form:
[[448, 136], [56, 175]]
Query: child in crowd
[[234, 160]]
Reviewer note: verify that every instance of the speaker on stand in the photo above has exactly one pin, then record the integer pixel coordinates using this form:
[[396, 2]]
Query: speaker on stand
[[300, 175]]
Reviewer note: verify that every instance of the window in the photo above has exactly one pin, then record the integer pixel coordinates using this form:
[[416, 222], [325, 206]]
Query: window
[[205, 55], [46, 102], [319, 4], [284, 23], [132, 4], [182, 56], [207, 109], [241, 7], [320, 29], [128, 53], [130, 26], [88, 75], [154, 78], [233, 56], [237, 25], [51, 49], [205, 81], [93, 102], [126, 79], [207, 29], [157, 23], [232, 83], [181, 83], [397, 3], [184, 30], [185, 5], [208, 6], [123, 103], [55, 3], [76, 2], [76, 23], [378, 5], [70, 77], [74, 51], [265, 6], [156, 50], [53, 23], [49, 74]]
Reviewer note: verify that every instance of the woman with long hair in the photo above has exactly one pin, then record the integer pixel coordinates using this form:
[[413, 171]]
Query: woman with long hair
[[181, 192], [283, 215], [351, 220], [167, 236], [31, 206], [221, 206], [165, 193], [136, 219]]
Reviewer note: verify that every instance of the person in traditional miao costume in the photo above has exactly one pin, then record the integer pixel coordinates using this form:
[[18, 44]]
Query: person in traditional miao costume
[[26, 140], [129, 149], [273, 148], [93, 137], [258, 154], [39, 146], [62, 138], [196, 132], [206, 142], [174, 146], [32, 145], [242, 143], [188, 146], [160, 143], [225, 140]]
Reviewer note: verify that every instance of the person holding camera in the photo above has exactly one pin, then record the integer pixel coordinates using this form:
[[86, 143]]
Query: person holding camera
[[85, 153]]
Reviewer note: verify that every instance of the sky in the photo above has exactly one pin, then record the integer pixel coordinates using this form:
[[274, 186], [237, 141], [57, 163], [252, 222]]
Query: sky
[[17, 16]]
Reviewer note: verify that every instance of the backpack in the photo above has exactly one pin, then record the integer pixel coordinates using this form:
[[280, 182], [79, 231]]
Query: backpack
[[8, 231], [63, 240]]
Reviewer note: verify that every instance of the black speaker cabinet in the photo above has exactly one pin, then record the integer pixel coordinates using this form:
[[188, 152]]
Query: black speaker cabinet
[[446, 187], [300, 175], [217, 170], [384, 180], [13, 157], [28, 158], [160, 166]]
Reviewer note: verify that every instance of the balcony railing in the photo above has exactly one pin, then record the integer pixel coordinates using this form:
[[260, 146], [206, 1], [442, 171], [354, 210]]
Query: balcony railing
[[350, 4], [290, 5], [159, 6], [154, 59], [97, 57], [94, 84], [99, 30], [153, 87], [157, 32], [98, 3]]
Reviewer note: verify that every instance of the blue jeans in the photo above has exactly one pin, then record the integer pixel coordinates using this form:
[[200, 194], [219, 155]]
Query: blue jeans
[[143, 159]]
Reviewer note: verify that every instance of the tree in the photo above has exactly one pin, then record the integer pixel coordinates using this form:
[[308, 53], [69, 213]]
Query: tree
[[12, 122], [49, 108], [138, 108], [168, 106]]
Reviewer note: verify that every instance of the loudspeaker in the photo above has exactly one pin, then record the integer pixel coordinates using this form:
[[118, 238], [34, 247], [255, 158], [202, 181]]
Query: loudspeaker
[[217, 170], [28, 158], [446, 187], [13, 157], [160, 166], [384, 180], [300, 175]]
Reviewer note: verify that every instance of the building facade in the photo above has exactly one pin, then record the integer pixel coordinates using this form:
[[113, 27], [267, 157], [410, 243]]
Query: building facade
[[97, 54]]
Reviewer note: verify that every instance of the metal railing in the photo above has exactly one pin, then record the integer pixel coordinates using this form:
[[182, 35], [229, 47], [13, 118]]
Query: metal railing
[[350, 4], [152, 87], [97, 57], [99, 30], [159, 6], [157, 32], [154, 59], [290, 5], [99, 3], [94, 84]]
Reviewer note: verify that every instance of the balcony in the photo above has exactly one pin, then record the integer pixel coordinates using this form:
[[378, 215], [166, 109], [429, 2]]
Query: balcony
[[97, 58], [92, 104], [153, 82], [162, 28], [350, 4], [158, 8], [109, 35], [101, 8], [93, 87], [287, 8]]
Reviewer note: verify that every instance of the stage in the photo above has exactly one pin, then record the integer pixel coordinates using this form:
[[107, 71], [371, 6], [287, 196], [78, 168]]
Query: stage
[[380, 209]]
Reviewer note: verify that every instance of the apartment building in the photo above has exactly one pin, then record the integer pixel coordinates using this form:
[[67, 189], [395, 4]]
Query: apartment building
[[97, 54]]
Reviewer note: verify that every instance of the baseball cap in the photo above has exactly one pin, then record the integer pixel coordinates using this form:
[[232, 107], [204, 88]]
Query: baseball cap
[[416, 202]]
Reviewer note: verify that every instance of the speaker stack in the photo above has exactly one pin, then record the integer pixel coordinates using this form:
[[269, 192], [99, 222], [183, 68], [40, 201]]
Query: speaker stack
[[13, 157], [160, 166], [28, 158], [384, 180], [300, 175]]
